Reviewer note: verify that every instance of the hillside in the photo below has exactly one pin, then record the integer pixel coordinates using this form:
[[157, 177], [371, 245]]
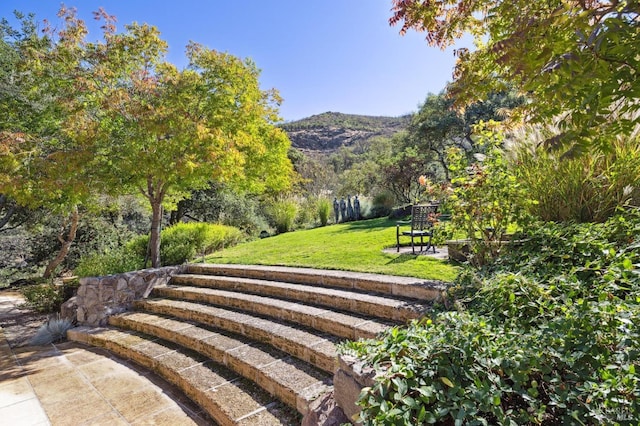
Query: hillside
[[326, 132]]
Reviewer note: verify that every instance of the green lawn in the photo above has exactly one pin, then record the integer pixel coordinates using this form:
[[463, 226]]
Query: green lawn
[[355, 246]]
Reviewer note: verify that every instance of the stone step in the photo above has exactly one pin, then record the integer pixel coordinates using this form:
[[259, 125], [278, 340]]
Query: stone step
[[292, 381], [407, 287], [350, 326], [310, 346], [385, 307], [226, 397]]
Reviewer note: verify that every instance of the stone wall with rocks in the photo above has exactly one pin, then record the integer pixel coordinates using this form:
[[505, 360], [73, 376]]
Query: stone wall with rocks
[[350, 377], [99, 297]]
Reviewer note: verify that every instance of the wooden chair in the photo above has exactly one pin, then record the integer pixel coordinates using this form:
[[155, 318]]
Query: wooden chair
[[421, 226]]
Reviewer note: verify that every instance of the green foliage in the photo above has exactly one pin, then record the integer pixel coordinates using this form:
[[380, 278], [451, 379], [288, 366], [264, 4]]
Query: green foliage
[[439, 126], [114, 261], [219, 203], [400, 173], [102, 229], [382, 205], [181, 243], [486, 196], [586, 188], [576, 61], [44, 298], [306, 212], [186, 241], [548, 334], [282, 214], [324, 210]]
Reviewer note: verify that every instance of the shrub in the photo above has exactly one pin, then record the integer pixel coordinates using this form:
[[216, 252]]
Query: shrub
[[282, 214], [324, 210], [307, 212], [55, 330], [185, 241], [220, 204], [179, 243], [545, 335], [381, 205], [122, 259], [486, 197], [43, 298]]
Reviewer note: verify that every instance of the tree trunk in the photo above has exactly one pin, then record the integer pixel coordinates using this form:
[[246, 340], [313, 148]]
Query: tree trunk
[[155, 193], [9, 210], [66, 243], [443, 161], [156, 226]]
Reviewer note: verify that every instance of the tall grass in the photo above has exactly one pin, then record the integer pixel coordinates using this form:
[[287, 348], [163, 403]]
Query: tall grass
[[324, 210], [282, 214], [586, 188]]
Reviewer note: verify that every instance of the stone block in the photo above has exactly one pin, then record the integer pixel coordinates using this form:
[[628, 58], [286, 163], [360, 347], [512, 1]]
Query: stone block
[[324, 412], [350, 377], [69, 310], [81, 314], [121, 284]]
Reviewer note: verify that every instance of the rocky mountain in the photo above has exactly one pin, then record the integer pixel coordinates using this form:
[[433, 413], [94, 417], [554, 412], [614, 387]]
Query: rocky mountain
[[325, 133]]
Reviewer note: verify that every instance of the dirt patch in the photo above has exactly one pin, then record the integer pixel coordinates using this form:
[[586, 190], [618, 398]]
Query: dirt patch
[[18, 322]]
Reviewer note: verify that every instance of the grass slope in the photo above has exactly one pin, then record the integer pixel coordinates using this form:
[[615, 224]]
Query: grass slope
[[355, 246]]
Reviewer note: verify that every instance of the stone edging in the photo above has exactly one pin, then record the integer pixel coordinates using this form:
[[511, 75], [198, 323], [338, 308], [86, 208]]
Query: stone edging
[[100, 297], [351, 375]]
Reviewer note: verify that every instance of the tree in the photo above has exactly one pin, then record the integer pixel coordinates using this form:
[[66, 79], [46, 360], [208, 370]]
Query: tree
[[439, 126], [41, 166], [163, 132], [112, 116], [400, 175], [577, 61]]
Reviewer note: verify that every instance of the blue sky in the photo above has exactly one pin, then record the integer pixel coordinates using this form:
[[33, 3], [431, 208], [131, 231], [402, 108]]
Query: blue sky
[[321, 55]]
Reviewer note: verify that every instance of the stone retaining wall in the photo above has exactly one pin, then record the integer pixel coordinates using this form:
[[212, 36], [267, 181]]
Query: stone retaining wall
[[100, 297], [350, 377]]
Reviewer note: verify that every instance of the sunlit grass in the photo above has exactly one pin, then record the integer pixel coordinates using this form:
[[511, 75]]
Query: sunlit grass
[[355, 246]]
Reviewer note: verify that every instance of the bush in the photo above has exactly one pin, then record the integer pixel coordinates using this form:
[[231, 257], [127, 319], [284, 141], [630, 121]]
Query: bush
[[324, 210], [179, 243], [282, 214], [545, 335], [185, 241], [306, 213], [43, 298], [381, 205], [486, 196], [55, 330], [123, 259]]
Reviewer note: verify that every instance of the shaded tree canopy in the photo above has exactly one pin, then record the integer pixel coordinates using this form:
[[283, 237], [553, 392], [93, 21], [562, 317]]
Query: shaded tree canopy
[[577, 61]]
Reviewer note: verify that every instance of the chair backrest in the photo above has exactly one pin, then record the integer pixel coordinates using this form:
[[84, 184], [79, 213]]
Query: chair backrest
[[421, 216]]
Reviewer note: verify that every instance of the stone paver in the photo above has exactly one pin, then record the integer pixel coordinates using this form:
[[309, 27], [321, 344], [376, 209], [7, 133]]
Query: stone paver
[[72, 384]]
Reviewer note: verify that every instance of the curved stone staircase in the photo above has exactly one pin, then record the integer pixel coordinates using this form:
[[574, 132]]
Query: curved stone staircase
[[255, 345]]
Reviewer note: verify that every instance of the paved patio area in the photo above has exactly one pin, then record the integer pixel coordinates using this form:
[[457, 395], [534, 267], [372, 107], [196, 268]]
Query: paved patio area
[[71, 384], [441, 252]]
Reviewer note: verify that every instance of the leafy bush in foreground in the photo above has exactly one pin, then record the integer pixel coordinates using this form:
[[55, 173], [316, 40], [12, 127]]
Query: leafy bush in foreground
[[43, 298], [549, 334], [180, 243]]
